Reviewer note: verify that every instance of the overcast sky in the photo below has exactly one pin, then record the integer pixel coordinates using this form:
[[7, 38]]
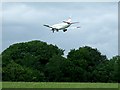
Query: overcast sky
[[23, 22]]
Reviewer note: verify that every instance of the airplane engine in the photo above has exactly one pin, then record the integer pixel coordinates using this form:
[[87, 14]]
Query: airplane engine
[[64, 30]]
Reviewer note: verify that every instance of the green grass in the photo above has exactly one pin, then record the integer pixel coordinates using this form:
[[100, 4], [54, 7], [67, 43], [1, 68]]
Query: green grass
[[57, 85]]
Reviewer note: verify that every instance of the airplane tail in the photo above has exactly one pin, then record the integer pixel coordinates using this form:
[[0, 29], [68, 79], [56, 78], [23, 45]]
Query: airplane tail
[[69, 21]]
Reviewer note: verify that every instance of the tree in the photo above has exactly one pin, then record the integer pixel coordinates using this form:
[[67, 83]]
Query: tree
[[53, 69], [107, 71], [86, 59], [115, 67], [39, 61], [30, 57], [102, 72], [0, 67], [16, 72], [92, 56], [35, 50]]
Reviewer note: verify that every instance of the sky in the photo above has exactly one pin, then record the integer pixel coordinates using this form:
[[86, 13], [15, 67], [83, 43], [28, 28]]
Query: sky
[[23, 22]]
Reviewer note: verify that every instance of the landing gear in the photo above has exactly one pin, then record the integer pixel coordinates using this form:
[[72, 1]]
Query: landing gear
[[64, 30], [53, 30], [57, 30]]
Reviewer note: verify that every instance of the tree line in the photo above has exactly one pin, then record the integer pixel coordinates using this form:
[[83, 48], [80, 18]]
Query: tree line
[[41, 62]]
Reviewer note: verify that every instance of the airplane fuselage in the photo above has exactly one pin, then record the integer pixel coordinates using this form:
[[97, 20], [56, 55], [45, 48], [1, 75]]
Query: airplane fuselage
[[60, 26]]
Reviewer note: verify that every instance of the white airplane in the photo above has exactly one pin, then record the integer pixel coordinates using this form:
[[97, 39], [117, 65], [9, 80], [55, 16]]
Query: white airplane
[[61, 26]]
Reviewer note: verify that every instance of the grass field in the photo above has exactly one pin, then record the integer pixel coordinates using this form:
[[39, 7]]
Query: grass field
[[57, 85]]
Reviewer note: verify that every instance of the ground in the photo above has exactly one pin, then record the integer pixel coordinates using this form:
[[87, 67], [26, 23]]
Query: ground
[[57, 85]]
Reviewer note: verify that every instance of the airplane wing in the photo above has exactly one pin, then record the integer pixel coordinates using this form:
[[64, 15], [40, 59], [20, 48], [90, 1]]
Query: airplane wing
[[74, 22], [47, 26]]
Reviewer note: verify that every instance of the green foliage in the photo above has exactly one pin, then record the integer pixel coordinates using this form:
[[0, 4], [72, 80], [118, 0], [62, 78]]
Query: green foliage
[[115, 64], [38, 61], [53, 69], [85, 59], [26, 61], [30, 51], [107, 71], [15, 72], [92, 56]]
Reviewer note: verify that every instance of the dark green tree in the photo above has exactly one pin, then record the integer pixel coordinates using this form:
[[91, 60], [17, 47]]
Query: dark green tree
[[60, 69], [85, 59], [30, 57], [107, 71], [101, 73], [115, 67], [53, 69], [39, 61], [30, 51], [16, 72]]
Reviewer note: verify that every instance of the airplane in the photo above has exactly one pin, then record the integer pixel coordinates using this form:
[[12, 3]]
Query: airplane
[[61, 26]]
